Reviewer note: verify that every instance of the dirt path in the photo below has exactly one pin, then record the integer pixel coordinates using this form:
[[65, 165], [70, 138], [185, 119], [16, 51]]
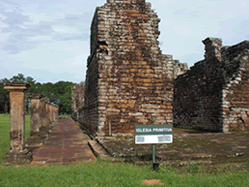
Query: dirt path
[[65, 145]]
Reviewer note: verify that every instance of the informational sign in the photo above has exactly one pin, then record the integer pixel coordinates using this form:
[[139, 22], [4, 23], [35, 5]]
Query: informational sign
[[153, 134]]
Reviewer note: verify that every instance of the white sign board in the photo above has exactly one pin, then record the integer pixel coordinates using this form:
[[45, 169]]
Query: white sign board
[[153, 134]]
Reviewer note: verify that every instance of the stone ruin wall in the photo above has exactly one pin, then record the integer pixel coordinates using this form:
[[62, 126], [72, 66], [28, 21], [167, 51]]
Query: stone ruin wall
[[77, 100], [235, 94], [213, 94], [129, 81]]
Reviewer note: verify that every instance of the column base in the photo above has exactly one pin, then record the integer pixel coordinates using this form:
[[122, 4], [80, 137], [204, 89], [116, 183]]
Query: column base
[[34, 141], [44, 131], [51, 128], [17, 158]]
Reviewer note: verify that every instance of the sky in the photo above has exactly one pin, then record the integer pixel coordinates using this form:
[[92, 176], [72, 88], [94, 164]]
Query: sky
[[49, 40]]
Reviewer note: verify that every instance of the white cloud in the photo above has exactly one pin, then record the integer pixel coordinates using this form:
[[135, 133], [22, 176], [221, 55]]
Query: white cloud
[[66, 29], [4, 37], [3, 25], [40, 38]]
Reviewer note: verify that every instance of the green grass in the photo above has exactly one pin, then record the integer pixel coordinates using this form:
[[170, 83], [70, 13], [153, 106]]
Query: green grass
[[106, 174], [5, 133], [65, 116]]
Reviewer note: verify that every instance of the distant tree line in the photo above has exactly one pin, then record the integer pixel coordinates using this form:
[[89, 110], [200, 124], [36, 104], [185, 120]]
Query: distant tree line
[[58, 93]]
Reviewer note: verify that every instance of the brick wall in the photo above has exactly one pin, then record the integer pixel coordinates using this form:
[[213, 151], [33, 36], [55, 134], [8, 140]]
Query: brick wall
[[211, 95], [235, 103], [129, 81]]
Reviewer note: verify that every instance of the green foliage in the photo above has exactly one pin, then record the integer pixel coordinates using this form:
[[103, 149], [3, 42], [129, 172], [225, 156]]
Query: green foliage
[[4, 99], [58, 93], [193, 168], [19, 78]]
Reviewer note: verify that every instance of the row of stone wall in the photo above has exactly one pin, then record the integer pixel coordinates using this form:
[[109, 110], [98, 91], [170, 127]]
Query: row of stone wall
[[43, 116], [213, 94]]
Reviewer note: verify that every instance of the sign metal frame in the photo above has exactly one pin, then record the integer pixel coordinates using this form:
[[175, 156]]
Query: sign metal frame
[[153, 134]]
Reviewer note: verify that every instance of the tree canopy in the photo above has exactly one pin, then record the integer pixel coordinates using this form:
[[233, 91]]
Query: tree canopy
[[58, 93]]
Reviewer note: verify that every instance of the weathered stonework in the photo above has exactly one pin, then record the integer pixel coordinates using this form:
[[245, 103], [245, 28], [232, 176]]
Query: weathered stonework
[[214, 93], [77, 100], [35, 121], [54, 113], [129, 81], [17, 153], [46, 119]]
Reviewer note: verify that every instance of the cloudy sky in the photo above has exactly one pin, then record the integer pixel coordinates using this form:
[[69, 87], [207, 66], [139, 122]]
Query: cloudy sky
[[49, 39]]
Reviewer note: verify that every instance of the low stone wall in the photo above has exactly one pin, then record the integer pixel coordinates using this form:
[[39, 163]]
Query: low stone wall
[[212, 95]]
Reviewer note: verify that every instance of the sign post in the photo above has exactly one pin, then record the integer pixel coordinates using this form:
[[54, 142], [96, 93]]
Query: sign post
[[153, 134], [154, 152]]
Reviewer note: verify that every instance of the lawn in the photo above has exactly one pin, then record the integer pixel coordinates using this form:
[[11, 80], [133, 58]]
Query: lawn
[[5, 133], [106, 174]]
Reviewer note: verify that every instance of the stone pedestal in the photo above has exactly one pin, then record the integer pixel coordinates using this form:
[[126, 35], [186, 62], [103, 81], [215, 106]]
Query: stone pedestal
[[17, 153], [44, 129], [48, 119], [35, 122]]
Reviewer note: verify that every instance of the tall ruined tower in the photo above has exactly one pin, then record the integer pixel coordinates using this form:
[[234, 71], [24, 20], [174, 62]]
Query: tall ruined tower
[[128, 79]]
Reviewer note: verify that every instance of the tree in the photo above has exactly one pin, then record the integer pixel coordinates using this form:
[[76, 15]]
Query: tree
[[32, 89], [63, 90], [19, 78], [58, 93], [4, 97]]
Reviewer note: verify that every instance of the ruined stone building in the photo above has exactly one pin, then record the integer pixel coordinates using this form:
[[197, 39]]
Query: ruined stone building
[[214, 93], [129, 81]]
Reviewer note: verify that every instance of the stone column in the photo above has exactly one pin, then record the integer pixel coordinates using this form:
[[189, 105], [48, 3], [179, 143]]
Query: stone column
[[48, 122], [17, 153], [53, 113], [50, 115], [56, 112], [47, 112], [35, 121], [43, 129]]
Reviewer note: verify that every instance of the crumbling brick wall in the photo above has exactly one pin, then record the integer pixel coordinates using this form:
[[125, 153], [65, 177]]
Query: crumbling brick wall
[[77, 99], [128, 79], [235, 94], [211, 95]]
